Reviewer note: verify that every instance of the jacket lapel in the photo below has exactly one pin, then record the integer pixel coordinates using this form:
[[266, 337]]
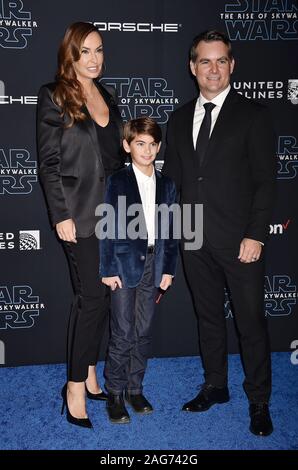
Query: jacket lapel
[[158, 188], [133, 185], [90, 125]]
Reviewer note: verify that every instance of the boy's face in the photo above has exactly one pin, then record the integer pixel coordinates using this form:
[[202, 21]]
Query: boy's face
[[143, 151]]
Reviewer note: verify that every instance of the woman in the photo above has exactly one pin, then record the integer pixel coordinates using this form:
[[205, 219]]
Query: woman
[[79, 143]]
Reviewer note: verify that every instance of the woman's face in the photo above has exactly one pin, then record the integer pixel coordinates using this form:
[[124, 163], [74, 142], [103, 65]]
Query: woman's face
[[90, 62]]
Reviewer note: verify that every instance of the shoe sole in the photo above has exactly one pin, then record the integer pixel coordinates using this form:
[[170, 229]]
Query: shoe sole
[[261, 434], [119, 421], [208, 407], [145, 412]]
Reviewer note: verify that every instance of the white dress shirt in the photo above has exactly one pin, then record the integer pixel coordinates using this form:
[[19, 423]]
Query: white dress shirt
[[147, 188], [200, 112]]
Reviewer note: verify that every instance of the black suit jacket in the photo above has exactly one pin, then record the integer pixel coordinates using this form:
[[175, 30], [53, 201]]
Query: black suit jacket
[[236, 182], [71, 167]]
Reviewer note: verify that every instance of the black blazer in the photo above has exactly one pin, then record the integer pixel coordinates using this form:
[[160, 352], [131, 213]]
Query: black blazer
[[236, 182], [70, 161]]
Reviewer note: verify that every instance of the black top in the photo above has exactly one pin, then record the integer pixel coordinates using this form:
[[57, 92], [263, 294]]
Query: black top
[[108, 139]]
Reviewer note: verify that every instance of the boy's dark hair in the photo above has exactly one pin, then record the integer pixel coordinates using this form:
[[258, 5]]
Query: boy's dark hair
[[209, 36], [142, 125]]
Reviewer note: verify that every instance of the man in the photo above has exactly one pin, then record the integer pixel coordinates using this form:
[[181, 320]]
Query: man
[[220, 153]]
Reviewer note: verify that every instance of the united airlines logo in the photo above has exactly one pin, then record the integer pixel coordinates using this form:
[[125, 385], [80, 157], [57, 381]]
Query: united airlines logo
[[19, 307], [25, 240], [280, 295], [287, 157], [260, 90], [293, 90], [140, 97], [279, 299], [29, 240], [18, 171], [251, 20], [16, 24]]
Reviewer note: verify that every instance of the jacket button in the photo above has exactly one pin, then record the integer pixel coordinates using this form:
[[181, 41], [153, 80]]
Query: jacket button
[[142, 258], [200, 178]]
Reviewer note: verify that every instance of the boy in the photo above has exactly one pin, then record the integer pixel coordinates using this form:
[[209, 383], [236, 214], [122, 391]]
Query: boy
[[134, 264]]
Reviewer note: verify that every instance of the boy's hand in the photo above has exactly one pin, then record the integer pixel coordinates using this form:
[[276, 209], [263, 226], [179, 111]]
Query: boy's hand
[[166, 281], [112, 282]]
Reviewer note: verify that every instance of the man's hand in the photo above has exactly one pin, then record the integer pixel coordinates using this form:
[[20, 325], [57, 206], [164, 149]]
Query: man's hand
[[66, 230], [250, 250], [113, 282], [166, 281]]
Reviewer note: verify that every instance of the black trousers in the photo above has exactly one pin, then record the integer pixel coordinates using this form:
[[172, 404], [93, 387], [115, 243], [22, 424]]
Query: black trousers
[[132, 311], [207, 271], [90, 307]]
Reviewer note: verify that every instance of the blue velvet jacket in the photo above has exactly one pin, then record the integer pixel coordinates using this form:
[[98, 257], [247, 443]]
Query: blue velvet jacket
[[125, 257]]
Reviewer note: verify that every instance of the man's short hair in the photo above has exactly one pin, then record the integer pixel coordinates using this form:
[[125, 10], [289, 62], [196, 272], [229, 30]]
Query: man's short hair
[[209, 36], [142, 125]]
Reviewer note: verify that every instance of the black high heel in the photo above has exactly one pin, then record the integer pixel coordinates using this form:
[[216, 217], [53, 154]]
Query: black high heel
[[83, 422], [96, 396]]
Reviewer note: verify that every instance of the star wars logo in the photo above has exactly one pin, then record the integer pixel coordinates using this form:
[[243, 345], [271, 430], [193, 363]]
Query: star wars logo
[[228, 305], [279, 299], [280, 295], [140, 97], [18, 307], [251, 20], [15, 24], [287, 156], [18, 172]]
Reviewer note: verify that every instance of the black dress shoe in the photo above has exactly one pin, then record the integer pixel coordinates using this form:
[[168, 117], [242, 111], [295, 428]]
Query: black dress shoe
[[82, 422], [208, 396], [116, 409], [96, 396], [139, 403], [260, 420]]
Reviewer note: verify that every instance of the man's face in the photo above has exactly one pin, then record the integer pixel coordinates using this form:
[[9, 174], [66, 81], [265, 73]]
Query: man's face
[[212, 68]]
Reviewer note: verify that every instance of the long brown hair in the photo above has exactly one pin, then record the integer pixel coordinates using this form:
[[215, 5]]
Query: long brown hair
[[69, 93]]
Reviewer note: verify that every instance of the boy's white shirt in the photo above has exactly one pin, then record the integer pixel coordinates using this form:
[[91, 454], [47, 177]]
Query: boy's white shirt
[[147, 189]]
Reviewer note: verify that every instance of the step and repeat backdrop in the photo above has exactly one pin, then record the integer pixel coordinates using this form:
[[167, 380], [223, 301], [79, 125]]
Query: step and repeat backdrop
[[146, 55]]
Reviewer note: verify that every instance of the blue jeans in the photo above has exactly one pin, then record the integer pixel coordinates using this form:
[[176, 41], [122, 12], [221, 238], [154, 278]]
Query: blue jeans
[[132, 311]]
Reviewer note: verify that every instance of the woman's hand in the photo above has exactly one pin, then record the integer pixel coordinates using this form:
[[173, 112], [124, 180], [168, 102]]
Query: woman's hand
[[66, 231], [113, 282]]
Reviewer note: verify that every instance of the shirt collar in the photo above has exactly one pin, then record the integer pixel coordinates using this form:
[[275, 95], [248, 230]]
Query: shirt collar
[[218, 100], [141, 176]]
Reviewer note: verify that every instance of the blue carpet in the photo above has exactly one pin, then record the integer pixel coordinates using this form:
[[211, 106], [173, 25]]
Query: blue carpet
[[30, 411]]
